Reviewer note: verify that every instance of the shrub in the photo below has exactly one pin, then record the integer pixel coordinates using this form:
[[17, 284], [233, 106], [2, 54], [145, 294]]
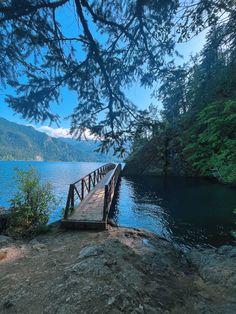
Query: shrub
[[31, 205], [211, 149]]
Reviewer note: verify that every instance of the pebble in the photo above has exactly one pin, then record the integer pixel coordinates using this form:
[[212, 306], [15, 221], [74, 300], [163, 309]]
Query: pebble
[[111, 300]]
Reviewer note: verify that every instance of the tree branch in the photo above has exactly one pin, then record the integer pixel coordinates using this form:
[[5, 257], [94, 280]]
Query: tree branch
[[98, 58], [12, 13], [96, 18]]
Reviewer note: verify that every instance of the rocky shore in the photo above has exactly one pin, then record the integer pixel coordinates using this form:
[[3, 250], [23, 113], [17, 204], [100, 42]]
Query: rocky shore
[[116, 271]]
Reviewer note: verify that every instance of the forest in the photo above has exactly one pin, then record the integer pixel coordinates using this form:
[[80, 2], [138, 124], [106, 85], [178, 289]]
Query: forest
[[195, 134], [20, 142], [108, 47]]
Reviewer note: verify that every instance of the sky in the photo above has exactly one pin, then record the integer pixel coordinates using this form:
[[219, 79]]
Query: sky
[[140, 96]]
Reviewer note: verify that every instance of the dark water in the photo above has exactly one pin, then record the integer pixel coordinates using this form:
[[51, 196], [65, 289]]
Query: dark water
[[184, 210]]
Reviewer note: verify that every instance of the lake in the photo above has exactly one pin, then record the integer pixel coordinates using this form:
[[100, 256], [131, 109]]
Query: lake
[[189, 211], [186, 211]]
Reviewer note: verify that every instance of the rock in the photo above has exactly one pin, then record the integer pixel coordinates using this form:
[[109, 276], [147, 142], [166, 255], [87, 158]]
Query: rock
[[110, 263], [232, 253], [138, 310], [224, 249], [7, 304], [111, 222], [5, 240], [126, 303], [150, 310], [216, 266], [111, 300], [227, 250], [89, 251], [37, 245], [3, 254], [92, 274]]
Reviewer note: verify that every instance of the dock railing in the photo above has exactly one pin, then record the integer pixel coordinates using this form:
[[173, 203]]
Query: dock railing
[[79, 189], [110, 190]]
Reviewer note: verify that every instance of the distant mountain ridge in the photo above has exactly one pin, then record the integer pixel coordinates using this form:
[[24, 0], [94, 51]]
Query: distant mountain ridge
[[20, 142]]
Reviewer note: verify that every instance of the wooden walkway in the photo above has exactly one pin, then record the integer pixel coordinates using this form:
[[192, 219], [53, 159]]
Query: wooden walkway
[[95, 198]]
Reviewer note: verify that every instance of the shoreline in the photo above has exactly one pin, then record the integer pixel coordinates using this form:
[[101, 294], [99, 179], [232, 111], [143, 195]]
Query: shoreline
[[178, 243], [120, 270]]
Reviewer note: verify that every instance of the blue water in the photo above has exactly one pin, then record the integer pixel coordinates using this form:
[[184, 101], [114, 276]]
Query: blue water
[[183, 210], [59, 174]]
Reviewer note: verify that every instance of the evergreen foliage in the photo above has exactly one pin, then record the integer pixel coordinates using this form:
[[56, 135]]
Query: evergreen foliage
[[113, 44], [199, 115], [110, 45], [211, 150]]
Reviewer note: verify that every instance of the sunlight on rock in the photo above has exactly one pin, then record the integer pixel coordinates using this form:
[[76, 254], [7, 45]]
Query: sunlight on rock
[[10, 254]]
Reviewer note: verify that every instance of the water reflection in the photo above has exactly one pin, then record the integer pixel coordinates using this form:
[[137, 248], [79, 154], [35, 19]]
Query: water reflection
[[184, 210]]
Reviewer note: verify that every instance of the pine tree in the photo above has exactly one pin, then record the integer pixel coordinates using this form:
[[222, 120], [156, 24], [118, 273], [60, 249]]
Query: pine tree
[[111, 45]]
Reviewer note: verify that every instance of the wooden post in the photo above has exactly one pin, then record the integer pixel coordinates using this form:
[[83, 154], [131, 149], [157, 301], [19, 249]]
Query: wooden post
[[89, 183], [105, 203], [82, 189], [68, 202], [72, 197]]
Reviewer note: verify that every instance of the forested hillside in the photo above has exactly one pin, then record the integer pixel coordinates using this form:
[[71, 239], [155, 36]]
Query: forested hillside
[[196, 133], [19, 142]]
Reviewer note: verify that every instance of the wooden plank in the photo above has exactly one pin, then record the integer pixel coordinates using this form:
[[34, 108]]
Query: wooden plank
[[110, 188], [75, 224], [89, 214]]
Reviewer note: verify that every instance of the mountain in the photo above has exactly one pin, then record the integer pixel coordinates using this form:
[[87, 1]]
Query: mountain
[[88, 147], [20, 142]]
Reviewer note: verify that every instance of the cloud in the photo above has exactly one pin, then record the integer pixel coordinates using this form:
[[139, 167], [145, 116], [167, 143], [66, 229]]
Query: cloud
[[59, 132]]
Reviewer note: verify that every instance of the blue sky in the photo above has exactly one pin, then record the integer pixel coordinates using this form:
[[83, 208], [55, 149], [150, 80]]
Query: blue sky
[[138, 95]]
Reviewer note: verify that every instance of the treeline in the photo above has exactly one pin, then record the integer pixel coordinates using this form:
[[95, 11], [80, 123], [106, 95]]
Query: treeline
[[20, 142], [196, 134]]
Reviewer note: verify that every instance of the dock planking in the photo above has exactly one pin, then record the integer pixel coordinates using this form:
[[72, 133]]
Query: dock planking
[[95, 194]]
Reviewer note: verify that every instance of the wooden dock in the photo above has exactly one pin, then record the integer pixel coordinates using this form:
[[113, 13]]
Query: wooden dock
[[90, 198]]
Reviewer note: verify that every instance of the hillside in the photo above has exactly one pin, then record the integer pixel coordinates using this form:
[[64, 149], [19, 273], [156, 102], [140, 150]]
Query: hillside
[[19, 142], [196, 135]]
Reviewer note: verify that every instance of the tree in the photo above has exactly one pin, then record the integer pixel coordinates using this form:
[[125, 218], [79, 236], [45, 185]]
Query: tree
[[113, 44], [31, 205], [211, 148], [172, 92], [198, 117]]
